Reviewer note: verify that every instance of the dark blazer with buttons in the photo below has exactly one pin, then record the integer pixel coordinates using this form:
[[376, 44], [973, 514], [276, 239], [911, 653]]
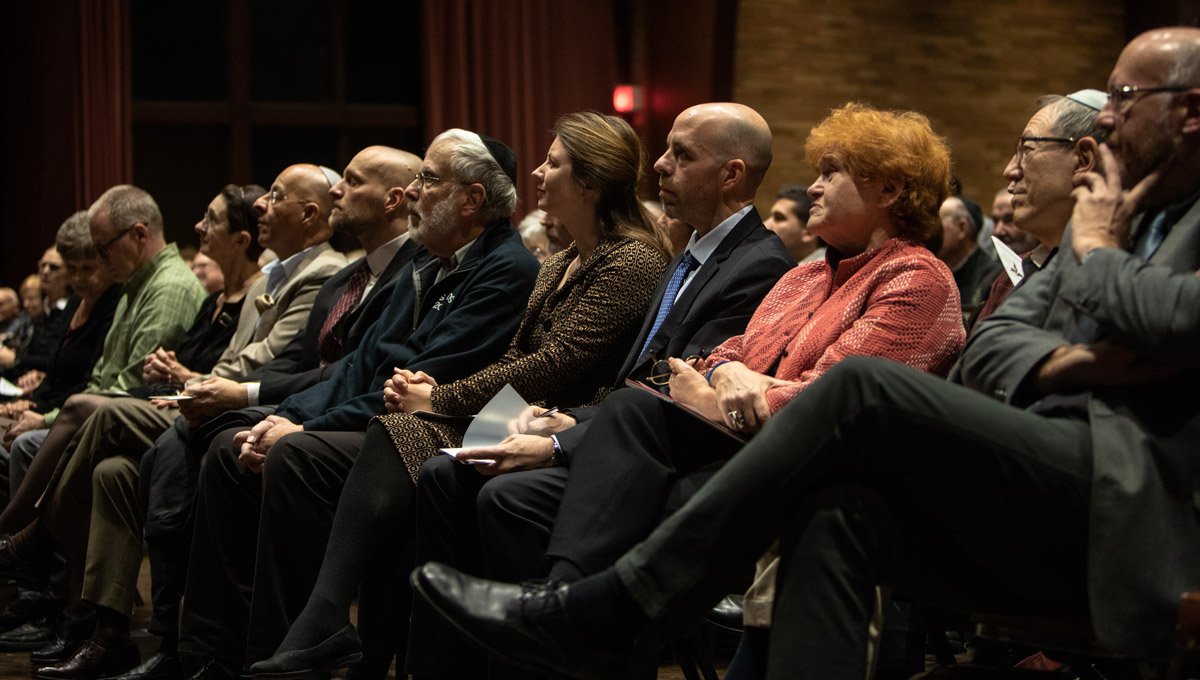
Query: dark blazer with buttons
[[452, 327], [298, 367], [715, 306], [1144, 514]]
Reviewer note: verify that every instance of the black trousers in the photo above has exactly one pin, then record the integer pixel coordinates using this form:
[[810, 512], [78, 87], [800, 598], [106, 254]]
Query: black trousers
[[641, 457], [259, 541], [167, 479], [879, 474]]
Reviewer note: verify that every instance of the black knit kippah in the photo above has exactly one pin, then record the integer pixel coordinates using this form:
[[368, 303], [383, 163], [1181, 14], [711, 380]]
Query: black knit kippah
[[505, 158]]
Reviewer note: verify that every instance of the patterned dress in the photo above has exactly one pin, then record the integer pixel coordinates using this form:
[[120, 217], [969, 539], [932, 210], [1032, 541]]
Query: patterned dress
[[567, 350]]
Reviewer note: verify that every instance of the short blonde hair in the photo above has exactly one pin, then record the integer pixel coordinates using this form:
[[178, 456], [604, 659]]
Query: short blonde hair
[[896, 146]]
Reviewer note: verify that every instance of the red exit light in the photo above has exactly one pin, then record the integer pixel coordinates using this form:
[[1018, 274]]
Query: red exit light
[[627, 98]]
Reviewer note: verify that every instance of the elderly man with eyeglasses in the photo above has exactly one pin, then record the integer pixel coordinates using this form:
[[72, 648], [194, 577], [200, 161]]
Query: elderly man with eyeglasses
[[1076, 438], [1059, 143], [452, 311], [159, 301]]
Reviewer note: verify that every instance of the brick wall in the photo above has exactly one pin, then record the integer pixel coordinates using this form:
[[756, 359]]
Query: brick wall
[[974, 68]]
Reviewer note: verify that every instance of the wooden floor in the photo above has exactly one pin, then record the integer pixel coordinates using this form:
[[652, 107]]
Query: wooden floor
[[15, 666]]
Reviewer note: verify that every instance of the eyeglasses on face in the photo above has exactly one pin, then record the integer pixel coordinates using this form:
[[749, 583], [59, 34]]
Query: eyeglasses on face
[[1023, 148], [424, 179], [103, 248], [276, 197], [1121, 97]]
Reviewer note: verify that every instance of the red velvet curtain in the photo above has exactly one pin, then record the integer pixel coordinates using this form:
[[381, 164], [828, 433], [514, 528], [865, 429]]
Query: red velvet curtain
[[103, 124], [508, 69]]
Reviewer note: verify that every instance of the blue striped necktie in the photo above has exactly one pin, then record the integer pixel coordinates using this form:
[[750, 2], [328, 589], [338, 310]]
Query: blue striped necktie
[[686, 265]]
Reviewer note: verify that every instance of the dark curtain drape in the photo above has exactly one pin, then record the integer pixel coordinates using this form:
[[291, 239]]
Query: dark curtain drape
[[508, 69], [103, 148]]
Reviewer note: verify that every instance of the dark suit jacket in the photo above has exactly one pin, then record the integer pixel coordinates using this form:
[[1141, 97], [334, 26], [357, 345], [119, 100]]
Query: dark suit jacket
[[716, 305], [450, 328], [298, 367], [1144, 526]]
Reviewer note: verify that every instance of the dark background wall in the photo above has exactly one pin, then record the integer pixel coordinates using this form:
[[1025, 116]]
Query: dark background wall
[[184, 97]]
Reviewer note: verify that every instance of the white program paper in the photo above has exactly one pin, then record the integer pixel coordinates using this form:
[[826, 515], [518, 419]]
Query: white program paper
[[7, 389], [490, 426], [1010, 260]]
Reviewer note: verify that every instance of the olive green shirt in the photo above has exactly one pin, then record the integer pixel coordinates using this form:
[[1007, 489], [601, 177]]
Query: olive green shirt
[[159, 303]]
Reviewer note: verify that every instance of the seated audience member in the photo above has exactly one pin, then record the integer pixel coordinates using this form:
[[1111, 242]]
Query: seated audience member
[[973, 268], [876, 293], [789, 221], [587, 303], [559, 237], [453, 311], [367, 204], [43, 297], [1042, 182], [12, 347], [1058, 145], [158, 302], [208, 272], [675, 231], [89, 313], [731, 262], [31, 296], [1074, 410], [122, 429], [10, 312], [533, 235], [1005, 229], [228, 234]]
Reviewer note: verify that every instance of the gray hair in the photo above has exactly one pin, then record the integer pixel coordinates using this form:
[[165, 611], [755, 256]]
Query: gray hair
[[531, 223], [127, 205], [74, 239], [472, 163], [1072, 119]]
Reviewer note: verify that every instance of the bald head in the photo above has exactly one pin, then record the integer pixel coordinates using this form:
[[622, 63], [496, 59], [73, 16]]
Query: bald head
[[298, 217], [393, 167], [309, 183], [369, 201], [734, 131], [1155, 128], [1173, 52], [716, 157]]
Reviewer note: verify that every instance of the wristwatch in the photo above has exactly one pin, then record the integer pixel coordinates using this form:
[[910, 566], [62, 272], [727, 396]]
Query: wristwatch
[[559, 461]]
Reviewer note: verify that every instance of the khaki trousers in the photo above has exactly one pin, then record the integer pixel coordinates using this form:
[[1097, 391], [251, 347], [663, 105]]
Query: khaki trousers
[[91, 505]]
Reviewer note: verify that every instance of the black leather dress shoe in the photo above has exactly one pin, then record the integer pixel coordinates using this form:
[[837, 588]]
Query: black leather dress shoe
[[93, 659], [215, 670], [525, 625], [68, 635], [30, 636], [339, 650], [29, 605], [160, 666]]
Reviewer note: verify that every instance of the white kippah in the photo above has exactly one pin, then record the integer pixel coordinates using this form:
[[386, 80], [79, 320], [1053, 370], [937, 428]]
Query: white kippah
[[1093, 99], [331, 175]]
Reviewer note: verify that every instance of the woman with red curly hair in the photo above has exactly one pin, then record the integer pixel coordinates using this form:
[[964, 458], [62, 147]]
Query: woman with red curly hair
[[881, 177]]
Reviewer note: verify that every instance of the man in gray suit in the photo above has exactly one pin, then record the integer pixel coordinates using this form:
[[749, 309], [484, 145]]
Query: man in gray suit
[[1065, 479]]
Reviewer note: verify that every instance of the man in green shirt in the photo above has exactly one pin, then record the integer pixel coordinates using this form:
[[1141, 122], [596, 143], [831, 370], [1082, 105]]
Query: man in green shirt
[[160, 300]]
